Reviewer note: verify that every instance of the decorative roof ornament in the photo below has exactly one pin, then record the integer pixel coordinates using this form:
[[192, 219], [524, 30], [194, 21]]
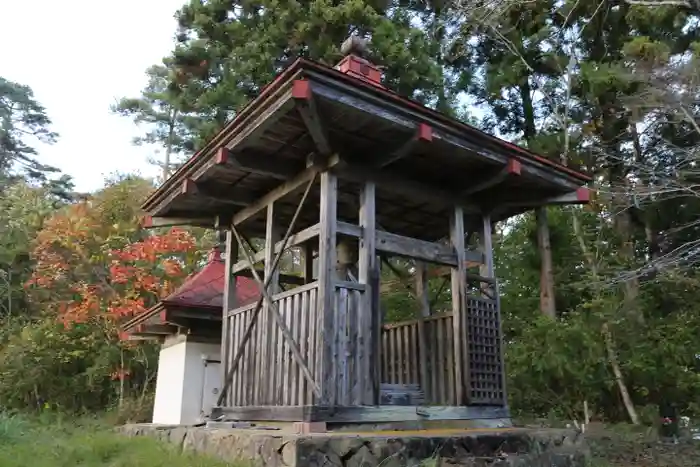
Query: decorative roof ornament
[[355, 45], [355, 63]]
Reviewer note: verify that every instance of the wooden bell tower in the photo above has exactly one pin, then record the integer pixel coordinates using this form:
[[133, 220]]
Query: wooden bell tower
[[334, 165]]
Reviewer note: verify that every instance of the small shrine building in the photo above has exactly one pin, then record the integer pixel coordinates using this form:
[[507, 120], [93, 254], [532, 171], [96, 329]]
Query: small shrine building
[[188, 325]]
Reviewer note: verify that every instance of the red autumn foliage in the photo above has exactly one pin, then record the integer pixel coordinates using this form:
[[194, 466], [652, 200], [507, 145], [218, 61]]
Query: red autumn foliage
[[88, 272]]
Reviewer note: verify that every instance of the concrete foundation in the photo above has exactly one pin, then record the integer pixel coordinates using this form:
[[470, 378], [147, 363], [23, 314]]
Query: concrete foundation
[[514, 447]]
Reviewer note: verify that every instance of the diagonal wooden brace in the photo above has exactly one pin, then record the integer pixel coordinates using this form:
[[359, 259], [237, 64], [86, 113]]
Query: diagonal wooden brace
[[253, 319], [280, 322]]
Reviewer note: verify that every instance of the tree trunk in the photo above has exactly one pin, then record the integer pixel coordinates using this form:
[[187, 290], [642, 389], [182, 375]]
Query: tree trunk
[[630, 287], [121, 379], [169, 145], [547, 301], [607, 336], [612, 358]]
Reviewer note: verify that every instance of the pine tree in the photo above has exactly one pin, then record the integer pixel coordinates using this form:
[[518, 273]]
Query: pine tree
[[227, 51], [514, 63], [22, 119], [164, 116]]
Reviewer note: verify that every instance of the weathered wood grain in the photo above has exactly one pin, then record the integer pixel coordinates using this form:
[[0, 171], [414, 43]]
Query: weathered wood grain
[[253, 319], [459, 300], [410, 247], [326, 290]]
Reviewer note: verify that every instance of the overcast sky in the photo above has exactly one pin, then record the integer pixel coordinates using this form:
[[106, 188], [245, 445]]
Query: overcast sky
[[79, 56]]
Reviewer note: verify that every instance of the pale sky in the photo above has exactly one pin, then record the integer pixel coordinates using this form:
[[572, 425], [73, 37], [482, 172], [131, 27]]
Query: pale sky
[[80, 56]]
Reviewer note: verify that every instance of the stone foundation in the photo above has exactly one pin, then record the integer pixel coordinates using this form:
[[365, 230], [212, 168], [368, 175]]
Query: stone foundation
[[425, 448]]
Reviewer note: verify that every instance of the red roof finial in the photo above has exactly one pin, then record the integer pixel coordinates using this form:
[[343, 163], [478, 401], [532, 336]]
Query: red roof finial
[[214, 255], [355, 64]]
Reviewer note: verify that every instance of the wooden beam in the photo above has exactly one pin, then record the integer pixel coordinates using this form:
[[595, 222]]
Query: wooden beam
[[512, 168], [423, 135], [155, 329], [176, 315], [411, 189], [219, 194], [154, 222], [142, 317], [283, 278], [251, 123], [146, 337], [412, 248], [282, 190], [371, 414], [261, 164], [487, 271], [581, 195], [305, 104], [418, 249], [295, 240]]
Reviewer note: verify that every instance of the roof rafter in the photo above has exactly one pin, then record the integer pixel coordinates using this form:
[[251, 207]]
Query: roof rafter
[[269, 165], [423, 135], [223, 195], [306, 106], [512, 168]]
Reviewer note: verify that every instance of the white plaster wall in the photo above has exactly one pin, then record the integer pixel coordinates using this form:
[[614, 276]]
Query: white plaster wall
[[180, 380], [171, 374], [193, 386]]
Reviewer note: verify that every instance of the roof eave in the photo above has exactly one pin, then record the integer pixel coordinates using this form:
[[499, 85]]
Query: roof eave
[[222, 138], [410, 112]]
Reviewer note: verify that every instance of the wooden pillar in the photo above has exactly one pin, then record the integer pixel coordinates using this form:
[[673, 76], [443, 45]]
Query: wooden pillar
[[369, 318], [326, 353], [487, 270], [307, 259], [486, 247], [423, 312], [269, 387], [460, 338], [230, 301], [346, 257]]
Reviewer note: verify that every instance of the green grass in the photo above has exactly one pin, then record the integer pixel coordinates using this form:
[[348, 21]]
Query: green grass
[[54, 442]]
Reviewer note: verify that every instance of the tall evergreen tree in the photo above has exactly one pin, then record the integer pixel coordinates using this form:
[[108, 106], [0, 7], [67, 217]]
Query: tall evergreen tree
[[227, 51], [23, 123], [163, 115]]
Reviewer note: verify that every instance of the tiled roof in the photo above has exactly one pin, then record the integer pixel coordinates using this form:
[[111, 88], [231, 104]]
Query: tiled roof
[[205, 288]]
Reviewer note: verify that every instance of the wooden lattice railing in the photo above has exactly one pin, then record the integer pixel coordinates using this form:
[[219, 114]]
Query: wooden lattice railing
[[422, 352]]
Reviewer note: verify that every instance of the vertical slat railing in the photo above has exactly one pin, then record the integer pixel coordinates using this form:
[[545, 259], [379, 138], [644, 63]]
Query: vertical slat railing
[[401, 357], [286, 384], [349, 335]]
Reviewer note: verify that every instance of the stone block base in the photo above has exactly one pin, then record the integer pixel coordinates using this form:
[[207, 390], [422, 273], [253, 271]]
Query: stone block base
[[513, 447]]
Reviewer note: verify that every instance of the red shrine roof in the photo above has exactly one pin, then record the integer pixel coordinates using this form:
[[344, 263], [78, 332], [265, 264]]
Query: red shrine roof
[[205, 288], [201, 293]]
